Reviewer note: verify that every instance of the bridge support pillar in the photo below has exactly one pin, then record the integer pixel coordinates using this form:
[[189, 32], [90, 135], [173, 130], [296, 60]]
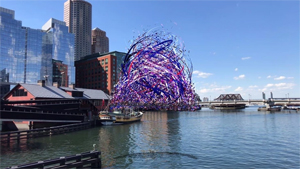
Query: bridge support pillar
[[269, 104]]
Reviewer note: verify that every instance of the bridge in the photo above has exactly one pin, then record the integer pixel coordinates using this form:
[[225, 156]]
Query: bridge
[[267, 102]]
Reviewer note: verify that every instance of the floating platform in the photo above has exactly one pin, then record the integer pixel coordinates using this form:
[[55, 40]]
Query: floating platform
[[228, 106], [269, 109]]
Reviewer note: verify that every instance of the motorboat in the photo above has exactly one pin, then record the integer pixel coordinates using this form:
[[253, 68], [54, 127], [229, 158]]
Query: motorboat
[[105, 118]]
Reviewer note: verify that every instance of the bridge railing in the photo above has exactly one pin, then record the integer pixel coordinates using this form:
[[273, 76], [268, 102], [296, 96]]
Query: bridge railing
[[285, 99]]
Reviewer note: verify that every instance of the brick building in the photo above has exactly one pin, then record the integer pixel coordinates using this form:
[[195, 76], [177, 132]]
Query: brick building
[[97, 71]]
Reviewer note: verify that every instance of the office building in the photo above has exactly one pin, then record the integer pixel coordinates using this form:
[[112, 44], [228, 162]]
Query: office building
[[60, 46], [78, 17], [97, 71], [100, 43], [22, 57], [26, 53]]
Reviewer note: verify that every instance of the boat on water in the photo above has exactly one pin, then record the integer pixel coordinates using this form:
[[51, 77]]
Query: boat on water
[[105, 118], [264, 108], [127, 116]]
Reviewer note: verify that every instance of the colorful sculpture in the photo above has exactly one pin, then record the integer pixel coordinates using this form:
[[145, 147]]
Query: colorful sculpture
[[155, 75]]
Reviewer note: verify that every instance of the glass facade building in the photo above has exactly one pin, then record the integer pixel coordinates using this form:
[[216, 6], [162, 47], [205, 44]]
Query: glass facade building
[[12, 44], [26, 53], [61, 45]]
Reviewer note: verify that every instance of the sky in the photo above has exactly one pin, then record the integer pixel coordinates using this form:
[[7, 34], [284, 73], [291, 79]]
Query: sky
[[236, 47]]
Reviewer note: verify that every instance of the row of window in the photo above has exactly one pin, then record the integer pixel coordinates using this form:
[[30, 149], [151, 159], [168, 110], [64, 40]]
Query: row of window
[[19, 92]]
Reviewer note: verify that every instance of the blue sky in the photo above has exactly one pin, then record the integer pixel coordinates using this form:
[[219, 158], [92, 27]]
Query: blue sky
[[241, 47]]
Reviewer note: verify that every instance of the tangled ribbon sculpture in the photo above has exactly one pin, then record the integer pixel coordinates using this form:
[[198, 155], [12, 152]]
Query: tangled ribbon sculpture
[[155, 75]]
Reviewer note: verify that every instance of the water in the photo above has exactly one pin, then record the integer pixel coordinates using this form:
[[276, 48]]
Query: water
[[203, 139]]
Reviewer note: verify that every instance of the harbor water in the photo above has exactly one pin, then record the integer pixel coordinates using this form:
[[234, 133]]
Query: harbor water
[[202, 139]]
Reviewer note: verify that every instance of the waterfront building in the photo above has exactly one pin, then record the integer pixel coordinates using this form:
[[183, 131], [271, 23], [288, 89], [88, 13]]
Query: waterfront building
[[40, 91], [59, 45], [100, 43], [22, 57], [73, 99], [78, 17], [26, 53], [97, 71]]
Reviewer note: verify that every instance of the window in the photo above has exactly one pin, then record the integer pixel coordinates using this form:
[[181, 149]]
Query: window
[[102, 62], [106, 61], [19, 92], [106, 68]]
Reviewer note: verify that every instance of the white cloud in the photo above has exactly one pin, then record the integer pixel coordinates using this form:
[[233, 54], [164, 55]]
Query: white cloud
[[214, 88], [290, 77], [269, 76], [246, 58], [238, 89], [259, 77], [236, 69], [278, 86], [239, 77], [269, 85], [254, 86], [202, 74], [280, 78]]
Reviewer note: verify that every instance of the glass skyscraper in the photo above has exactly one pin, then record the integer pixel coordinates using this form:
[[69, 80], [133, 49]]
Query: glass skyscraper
[[61, 45], [26, 53], [12, 44]]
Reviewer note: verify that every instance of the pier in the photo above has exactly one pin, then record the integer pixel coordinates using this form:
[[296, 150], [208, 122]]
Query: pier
[[90, 159], [7, 137]]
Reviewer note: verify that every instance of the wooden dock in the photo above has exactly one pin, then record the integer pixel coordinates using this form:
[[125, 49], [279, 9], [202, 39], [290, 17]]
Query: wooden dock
[[7, 137], [90, 159]]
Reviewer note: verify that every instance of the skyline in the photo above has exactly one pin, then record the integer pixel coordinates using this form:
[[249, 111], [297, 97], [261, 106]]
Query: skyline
[[235, 47]]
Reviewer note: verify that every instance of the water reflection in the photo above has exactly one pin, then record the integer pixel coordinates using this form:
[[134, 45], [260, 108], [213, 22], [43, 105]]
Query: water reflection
[[207, 138]]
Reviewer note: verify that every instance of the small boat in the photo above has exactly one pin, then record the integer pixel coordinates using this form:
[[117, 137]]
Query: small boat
[[264, 108], [127, 116], [106, 119]]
